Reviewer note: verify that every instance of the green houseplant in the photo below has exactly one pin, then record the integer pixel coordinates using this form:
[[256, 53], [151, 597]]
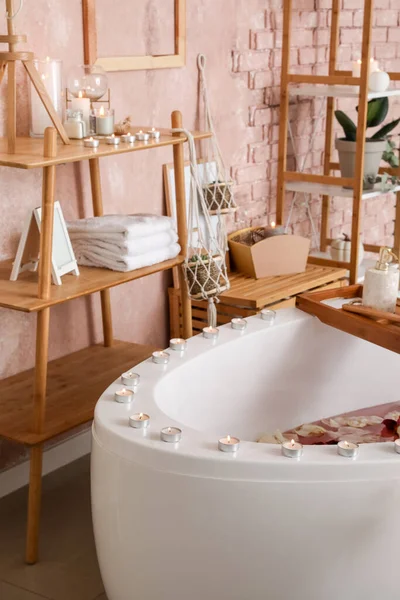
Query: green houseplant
[[377, 147]]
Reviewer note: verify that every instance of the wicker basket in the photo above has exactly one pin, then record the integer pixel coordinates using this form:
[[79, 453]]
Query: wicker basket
[[219, 197], [202, 275]]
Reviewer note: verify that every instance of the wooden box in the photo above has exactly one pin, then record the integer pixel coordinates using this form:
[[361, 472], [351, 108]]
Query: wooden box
[[276, 255]]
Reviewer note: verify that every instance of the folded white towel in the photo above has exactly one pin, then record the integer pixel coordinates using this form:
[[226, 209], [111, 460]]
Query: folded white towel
[[135, 247], [120, 227], [91, 258]]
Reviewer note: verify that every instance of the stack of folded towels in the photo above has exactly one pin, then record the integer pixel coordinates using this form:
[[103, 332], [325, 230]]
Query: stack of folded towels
[[123, 242]]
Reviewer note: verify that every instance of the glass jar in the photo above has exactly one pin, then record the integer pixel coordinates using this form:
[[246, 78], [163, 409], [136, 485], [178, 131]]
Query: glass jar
[[90, 80], [50, 72], [74, 125]]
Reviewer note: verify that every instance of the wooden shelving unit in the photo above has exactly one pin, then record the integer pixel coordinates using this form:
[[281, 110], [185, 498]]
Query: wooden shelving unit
[[337, 84], [65, 390]]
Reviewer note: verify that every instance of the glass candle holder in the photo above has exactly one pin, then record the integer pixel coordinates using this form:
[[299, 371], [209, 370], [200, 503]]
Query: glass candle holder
[[74, 125], [50, 73], [102, 121], [88, 80]]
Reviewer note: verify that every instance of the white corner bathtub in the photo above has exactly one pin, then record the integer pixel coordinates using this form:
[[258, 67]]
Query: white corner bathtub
[[188, 522]]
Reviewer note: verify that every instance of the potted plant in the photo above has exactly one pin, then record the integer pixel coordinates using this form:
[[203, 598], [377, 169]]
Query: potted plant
[[377, 147]]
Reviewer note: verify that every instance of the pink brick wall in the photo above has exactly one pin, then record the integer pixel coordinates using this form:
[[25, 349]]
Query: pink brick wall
[[260, 62]]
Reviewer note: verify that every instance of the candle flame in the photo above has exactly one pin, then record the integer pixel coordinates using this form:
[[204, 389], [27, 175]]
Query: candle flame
[[359, 62], [153, 128], [273, 224], [141, 416], [102, 111], [80, 95], [47, 58], [90, 139], [113, 135], [292, 443], [140, 131], [169, 430], [123, 391], [346, 444], [228, 437]]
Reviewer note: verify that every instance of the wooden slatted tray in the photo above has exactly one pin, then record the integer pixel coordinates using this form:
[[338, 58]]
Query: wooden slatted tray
[[378, 331]]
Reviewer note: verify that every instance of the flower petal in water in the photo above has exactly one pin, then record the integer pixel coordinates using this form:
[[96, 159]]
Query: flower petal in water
[[310, 430]]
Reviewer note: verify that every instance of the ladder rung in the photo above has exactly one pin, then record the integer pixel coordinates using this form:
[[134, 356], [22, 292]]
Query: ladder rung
[[325, 79]]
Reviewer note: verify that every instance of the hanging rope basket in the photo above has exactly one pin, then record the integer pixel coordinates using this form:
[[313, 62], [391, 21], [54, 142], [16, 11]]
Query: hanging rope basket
[[204, 276], [218, 194]]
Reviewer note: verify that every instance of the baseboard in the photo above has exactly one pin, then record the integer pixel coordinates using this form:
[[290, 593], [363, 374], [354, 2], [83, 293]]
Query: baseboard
[[16, 477]]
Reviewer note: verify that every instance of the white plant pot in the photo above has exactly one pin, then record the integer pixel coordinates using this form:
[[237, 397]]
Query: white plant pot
[[372, 158], [341, 251]]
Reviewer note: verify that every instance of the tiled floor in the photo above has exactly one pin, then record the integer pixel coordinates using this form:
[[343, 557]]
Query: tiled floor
[[68, 568]]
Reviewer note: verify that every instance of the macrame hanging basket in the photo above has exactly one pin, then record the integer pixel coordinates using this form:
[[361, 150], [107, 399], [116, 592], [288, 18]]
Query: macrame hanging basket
[[218, 193]]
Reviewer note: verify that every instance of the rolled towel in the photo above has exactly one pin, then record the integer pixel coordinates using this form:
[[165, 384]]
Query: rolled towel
[[129, 247], [92, 258], [120, 227]]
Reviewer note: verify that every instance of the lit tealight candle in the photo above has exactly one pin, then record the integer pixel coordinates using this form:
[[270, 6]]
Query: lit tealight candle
[[239, 324], [124, 396], [131, 379], [172, 435], [292, 449], [397, 446], [139, 421], [348, 449], [142, 137], [91, 143], [211, 333], [153, 133], [268, 315], [128, 138], [228, 444], [273, 229], [178, 344], [112, 140], [160, 357]]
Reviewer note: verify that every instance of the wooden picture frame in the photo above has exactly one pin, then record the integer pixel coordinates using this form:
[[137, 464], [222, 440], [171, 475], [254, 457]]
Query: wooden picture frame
[[133, 63]]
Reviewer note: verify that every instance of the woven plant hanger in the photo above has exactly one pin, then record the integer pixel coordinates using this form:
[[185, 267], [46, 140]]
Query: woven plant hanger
[[218, 195], [204, 267]]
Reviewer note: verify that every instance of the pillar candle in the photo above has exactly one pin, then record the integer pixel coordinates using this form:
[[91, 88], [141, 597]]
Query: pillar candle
[[83, 104]]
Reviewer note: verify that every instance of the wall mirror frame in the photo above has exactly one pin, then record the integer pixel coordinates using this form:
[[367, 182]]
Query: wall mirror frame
[[134, 63]]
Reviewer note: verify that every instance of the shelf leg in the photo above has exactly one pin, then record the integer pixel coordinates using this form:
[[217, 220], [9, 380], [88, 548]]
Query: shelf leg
[[179, 173], [284, 112], [97, 200], [34, 502], [12, 107]]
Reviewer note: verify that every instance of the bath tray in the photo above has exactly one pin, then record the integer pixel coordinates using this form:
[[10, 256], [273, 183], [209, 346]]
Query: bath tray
[[326, 305]]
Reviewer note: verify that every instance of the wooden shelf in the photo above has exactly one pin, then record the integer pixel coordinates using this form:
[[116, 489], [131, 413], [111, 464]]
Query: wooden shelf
[[29, 151], [75, 383], [336, 91], [22, 294], [321, 189], [380, 332]]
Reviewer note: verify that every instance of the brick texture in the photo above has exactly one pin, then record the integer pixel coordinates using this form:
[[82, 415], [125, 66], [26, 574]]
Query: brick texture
[[256, 181]]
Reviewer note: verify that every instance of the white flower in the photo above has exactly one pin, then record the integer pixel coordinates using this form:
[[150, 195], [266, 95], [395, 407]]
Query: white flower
[[352, 421], [394, 415], [310, 430]]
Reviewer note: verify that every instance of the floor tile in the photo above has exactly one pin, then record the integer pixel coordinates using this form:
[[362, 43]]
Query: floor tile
[[10, 592], [68, 567]]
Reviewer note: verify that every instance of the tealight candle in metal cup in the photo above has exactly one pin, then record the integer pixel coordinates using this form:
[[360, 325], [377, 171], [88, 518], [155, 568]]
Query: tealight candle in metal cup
[[211, 333], [292, 449], [268, 315], [130, 379], [228, 444], [397, 446], [128, 138], [160, 357], [348, 449], [91, 143], [153, 133], [239, 324], [172, 435], [124, 396], [139, 421], [112, 140], [178, 344], [142, 137]]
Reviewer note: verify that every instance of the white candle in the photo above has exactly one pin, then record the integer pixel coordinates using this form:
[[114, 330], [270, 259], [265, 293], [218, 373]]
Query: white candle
[[112, 140], [50, 73], [292, 449], [379, 81], [178, 344], [160, 357], [139, 421], [228, 444], [83, 104], [104, 121], [357, 64], [268, 315], [128, 138], [239, 324], [153, 133], [171, 434], [91, 143], [124, 396], [131, 379], [348, 449], [397, 446], [211, 333], [142, 137]]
